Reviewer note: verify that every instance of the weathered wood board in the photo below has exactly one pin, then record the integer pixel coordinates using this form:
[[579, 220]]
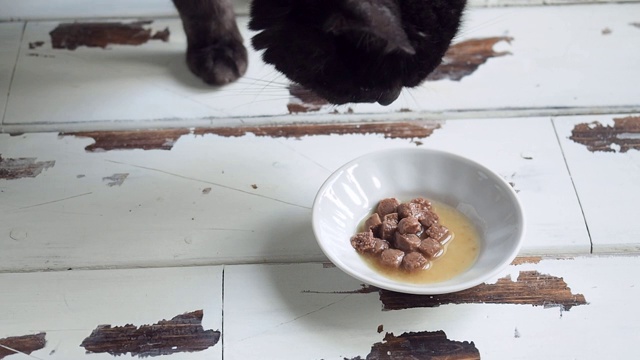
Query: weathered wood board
[[79, 9], [306, 311], [526, 66], [67, 308], [215, 198], [10, 35], [603, 155], [541, 308], [227, 177]]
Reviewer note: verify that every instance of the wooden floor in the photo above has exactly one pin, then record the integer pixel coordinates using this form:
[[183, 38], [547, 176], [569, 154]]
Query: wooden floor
[[145, 214]]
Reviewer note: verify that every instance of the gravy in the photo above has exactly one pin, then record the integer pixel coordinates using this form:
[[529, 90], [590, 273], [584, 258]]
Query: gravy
[[460, 251]]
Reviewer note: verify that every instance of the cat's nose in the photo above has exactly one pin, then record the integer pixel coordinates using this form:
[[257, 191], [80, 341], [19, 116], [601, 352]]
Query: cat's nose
[[389, 96]]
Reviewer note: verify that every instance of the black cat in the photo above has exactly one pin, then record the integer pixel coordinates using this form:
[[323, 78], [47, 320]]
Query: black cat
[[343, 50]]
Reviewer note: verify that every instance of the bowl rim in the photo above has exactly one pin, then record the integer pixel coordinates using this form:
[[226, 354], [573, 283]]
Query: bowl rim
[[430, 288]]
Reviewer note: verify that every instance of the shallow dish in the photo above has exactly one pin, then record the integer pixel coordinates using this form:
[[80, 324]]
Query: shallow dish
[[350, 194]]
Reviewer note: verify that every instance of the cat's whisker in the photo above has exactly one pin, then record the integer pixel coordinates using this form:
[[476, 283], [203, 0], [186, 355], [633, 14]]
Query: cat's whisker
[[19, 352], [260, 101], [408, 93], [254, 90], [464, 32], [268, 84], [256, 80]]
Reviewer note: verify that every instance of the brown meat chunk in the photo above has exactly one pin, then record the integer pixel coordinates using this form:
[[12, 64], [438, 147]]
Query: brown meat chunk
[[407, 243], [430, 248], [414, 261], [412, 209], [429, 218], [391, 258], [363, 242], [389, 226], [438, 232], [391, 217], [422, 202], [409, 225], [373, 223], [379, 246], [387, 206]]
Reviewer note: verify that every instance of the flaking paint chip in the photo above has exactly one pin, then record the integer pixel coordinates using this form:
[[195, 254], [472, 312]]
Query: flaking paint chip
[[18, 168], [115, 179]]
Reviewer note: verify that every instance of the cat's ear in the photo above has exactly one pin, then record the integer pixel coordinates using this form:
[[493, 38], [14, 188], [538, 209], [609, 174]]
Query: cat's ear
[[378, 19]]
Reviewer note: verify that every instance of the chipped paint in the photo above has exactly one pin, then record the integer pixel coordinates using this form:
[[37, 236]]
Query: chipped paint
[[163, 139], [206, 191], [101, 34], [623, 136], [25, 344], [464, 58], [521, 260], [635, 24], [166, 139], [391, 130], [12, 169], [304, 100], [422, 345], [115, 179], [183, 333], [606, 31], [35, 44], [531, 288], [48, 56]]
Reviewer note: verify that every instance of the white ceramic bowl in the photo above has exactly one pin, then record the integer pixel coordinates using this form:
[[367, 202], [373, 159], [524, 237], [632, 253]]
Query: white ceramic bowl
[[350, 194]]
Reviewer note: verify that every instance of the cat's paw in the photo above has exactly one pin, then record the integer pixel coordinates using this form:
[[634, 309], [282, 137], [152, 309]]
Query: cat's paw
[[220, 63]]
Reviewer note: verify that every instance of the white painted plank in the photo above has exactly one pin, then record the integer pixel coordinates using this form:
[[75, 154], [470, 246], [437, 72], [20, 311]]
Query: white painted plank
[[69, 216], [526, 154], [69, 305], [298, 312], [10, 35], [121, 84], [608, 186], [550, 67]]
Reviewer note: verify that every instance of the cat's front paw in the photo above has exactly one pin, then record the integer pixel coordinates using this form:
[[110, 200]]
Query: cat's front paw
[[220, 63]]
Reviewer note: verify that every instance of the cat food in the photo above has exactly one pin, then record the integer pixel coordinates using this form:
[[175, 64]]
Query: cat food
[[405, 236]]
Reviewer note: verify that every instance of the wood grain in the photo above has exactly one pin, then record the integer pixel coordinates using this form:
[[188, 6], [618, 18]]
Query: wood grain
[[183, 333], [102, 34], [161, 139], [623, 136], [531, 288], [465, 57], [25, 344], [423, 345]]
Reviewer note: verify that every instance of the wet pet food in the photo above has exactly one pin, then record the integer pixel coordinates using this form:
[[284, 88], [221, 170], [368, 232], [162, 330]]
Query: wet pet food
[[405, 236]]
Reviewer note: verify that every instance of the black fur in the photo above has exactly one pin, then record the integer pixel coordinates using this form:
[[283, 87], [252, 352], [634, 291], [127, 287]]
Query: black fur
[[352, 50]]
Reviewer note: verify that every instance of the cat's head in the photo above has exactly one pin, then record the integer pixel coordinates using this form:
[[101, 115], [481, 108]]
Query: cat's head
[[355, 50]]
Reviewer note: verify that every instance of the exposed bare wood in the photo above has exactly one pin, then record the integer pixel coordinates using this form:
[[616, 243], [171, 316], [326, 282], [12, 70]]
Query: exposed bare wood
[[183, 333], [102, 34], [25, 344], [531, 288]]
